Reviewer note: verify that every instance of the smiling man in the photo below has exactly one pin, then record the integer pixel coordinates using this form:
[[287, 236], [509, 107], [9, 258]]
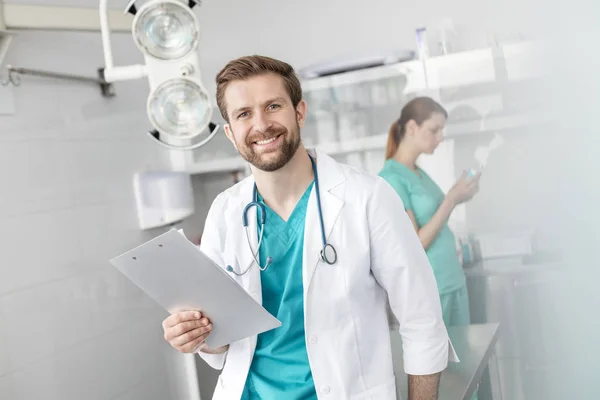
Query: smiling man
[[336, 252]]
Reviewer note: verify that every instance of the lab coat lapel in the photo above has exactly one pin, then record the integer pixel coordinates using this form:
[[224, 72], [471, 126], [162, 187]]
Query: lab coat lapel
[[250, 280], [330, 176]]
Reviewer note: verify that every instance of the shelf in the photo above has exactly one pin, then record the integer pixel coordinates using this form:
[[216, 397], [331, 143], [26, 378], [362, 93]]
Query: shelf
[[434, 73], [413, 67], [374, 142], [237, 163], [497, 123], [230, 164], [453, 131], [379, 141]]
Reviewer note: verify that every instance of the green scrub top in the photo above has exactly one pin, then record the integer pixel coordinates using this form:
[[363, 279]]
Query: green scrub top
[[280, 367], [423, 197]]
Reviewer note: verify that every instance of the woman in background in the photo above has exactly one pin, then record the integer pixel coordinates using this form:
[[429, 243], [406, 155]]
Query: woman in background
[[420, 130]]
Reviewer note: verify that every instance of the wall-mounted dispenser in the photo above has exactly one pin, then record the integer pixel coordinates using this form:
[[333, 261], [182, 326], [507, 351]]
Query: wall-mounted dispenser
[[163, 197]]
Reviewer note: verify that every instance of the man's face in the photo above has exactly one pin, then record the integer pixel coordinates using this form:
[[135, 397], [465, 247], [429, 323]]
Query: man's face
[[263, 124]]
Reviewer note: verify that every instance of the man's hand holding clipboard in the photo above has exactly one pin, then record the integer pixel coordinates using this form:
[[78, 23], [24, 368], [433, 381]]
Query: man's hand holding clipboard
[[187, 331]]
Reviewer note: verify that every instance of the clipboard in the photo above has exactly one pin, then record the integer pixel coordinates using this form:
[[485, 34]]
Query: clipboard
[[178, 276]]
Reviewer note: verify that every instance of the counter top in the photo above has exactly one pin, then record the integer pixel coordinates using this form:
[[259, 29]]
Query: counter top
[[511, 266], [473, 344]]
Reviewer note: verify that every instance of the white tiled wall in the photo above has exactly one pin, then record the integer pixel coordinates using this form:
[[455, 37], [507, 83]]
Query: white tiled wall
[[72, 327]]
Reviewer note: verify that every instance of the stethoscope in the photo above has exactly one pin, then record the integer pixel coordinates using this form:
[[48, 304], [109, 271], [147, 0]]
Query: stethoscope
[[328, 254]]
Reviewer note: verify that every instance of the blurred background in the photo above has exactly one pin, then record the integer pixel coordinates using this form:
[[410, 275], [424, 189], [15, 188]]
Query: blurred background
[[521, 74]]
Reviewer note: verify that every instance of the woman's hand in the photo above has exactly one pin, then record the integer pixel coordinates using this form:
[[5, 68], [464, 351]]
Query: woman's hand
[[464, 189]]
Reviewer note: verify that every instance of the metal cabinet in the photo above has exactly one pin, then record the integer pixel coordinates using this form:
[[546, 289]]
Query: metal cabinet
[[525, 303]]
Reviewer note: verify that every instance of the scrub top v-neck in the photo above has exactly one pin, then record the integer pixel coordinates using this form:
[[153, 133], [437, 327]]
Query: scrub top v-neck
[[280, 367]]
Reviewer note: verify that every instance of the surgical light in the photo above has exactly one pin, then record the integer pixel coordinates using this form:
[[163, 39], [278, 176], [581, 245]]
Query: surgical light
[[166, 30], [167, 33], [179, 107]]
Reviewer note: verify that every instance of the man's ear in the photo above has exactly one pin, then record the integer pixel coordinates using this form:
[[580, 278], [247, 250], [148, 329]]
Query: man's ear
[[229, 134], [301, 113]]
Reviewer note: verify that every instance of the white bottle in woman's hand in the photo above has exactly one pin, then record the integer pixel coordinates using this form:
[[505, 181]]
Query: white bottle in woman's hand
[[464, 189]]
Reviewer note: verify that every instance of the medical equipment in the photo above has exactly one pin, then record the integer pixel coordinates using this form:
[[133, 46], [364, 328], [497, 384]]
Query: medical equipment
[[422, 43], [162, 197], [327, 254], [167, 33]]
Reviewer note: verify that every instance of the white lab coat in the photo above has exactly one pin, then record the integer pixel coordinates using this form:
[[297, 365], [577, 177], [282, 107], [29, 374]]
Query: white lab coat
[[346, 304]]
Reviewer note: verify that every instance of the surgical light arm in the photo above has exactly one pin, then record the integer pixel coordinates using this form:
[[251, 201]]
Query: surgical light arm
[[112, 73]]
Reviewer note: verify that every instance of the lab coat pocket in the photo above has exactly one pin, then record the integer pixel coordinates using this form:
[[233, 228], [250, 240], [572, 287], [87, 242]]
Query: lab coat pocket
[[384, 391], [220, 391]]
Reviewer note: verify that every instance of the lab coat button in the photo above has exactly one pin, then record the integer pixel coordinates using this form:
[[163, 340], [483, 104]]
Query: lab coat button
[[312, 339], [325, 389]]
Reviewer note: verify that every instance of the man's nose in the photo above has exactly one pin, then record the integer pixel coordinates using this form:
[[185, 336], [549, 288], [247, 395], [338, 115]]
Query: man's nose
[[261, 122]]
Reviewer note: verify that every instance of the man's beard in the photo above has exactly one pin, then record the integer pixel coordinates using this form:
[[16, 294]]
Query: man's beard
[[291, 142]]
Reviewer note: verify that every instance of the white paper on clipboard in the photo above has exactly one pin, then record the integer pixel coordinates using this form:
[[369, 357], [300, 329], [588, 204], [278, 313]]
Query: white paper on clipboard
[[178, 276]]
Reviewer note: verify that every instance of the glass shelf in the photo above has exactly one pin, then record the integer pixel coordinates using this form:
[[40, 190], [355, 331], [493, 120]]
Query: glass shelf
[[484, 90]]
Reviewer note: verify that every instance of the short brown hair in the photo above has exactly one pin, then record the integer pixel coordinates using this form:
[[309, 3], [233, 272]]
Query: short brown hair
[[250, 66]]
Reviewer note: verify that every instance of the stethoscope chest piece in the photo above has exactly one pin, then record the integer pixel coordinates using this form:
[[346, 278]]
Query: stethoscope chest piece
[[328, 254]]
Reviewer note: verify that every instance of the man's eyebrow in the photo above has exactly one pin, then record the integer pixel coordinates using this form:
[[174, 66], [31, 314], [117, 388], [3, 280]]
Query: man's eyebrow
[[276, 99], [240, 109]]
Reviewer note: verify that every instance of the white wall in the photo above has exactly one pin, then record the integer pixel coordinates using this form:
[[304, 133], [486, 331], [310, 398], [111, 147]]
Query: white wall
[[313, 31], [72, 327], [522, 186], [310, 31]]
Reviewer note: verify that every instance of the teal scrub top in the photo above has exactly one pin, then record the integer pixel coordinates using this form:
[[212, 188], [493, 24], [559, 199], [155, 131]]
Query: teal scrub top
[[280, 367], [423, 197]]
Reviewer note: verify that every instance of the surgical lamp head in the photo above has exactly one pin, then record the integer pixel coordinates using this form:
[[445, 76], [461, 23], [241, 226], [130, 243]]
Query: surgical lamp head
[[167, 33]]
